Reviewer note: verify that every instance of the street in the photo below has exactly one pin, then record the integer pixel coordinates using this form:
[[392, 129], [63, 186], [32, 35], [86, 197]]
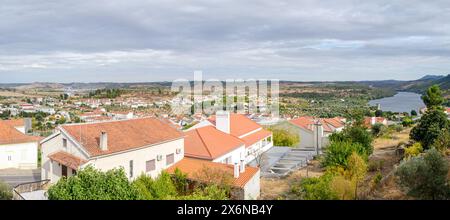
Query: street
[[13, 177]]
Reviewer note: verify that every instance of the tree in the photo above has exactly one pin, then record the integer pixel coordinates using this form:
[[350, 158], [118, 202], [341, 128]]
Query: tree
[[413, 113], [425, 177], [160, 188], [355, 134], [407, 121], [433, 98], [93, 184], [356, 170], [378, 129], [378, 113], [5, 191], [429, 127], [442, 142]]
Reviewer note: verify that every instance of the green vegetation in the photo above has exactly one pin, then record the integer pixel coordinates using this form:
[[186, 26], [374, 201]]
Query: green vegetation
[[413, 150], [355, 134], [283, 137], [433, 122], [338, 152], [5, 191], [106, 93], [425, 177], [92, 184]]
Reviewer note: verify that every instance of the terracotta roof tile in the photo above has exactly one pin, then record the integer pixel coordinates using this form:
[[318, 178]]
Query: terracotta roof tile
[[209, 143], [239, 124], [10, 135], [67, 159], [191, 166], [255, 137], [122, 135], [15, 122]]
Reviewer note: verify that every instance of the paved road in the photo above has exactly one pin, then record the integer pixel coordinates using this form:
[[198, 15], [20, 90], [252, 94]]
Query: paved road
[[14, 177]]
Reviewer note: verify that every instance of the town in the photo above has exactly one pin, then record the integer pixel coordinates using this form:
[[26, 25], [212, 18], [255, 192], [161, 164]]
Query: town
[[50, 135]]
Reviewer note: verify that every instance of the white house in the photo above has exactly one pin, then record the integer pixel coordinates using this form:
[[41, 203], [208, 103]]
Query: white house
[[140, 146], [314, 132], [17, 150], [253, 136]]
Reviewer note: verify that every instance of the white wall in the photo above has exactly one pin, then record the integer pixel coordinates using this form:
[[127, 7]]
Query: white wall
[[252, 188], [140, 157], [22, 155], [236, 155], [51, 146], [306, 138]]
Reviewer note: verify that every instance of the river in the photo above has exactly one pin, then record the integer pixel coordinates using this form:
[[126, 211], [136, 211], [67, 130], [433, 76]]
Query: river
[[401, 102]]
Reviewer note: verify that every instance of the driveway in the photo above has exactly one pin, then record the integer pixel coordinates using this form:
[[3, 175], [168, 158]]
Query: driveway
[[13, 177]]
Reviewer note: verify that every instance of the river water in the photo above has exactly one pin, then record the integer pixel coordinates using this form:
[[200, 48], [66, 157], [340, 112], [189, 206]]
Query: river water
[[401, 102]]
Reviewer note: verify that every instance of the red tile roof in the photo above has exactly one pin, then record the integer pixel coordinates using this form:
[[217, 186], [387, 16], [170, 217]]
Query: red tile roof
[[15, 122], [67, 159], [10, 135], [209, 143], [122, 135], [239, 124], [192, 166], [255, 137], [307, 122]]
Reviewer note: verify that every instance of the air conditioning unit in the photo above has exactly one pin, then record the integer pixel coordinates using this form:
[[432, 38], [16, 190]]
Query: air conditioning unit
[[159, 157], [178, 151]]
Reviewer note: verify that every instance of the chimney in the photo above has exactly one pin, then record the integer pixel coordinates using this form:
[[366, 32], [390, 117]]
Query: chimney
[[372, 121], [242, 168], [104, 141], [28, 125], [318, 135], [223, 121], [236, 170]]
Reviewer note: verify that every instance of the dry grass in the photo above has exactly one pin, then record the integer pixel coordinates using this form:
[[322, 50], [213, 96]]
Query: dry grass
[[273, 188], [396, 138]]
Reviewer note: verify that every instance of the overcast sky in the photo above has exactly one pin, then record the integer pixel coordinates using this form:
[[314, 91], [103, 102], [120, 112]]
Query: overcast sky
[[134, 40]]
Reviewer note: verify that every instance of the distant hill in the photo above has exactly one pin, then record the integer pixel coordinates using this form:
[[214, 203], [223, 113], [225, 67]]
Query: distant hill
[[422, 84], [432, 77]]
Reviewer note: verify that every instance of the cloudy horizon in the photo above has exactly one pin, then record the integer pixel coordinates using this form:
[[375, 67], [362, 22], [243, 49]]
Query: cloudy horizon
[[142, 41]]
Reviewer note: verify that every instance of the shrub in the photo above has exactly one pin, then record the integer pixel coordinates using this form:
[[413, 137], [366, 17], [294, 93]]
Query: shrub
[[413, 150], [442, 142], [315, 188], [338, 152], [283, 137], [378, 129], [375, 165], [425, 177], [407, 121], [376, 179], [355, 134], [92, 184], [5, 191]]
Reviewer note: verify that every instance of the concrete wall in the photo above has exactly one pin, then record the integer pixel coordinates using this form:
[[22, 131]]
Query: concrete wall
[[22, 155]]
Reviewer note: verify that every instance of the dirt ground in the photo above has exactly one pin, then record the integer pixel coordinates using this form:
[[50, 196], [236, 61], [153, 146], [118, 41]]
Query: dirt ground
[[384, 155]]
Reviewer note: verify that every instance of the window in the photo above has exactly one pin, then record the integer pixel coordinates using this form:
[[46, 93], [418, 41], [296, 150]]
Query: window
[[131, 169], [150, 165], [64, 143], [169, 159]]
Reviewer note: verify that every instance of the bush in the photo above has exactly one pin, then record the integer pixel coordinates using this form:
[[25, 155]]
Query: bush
[[375, 165], [5, 191], [355, 134], [407, 121], [442, 142], [376, 179], [413, 150], [338, 152], [93, 184], [425, 177], [315, 188], [378, 129]]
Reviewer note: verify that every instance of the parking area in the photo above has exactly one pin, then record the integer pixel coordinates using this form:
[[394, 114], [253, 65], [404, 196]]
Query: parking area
[[13, 177]]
